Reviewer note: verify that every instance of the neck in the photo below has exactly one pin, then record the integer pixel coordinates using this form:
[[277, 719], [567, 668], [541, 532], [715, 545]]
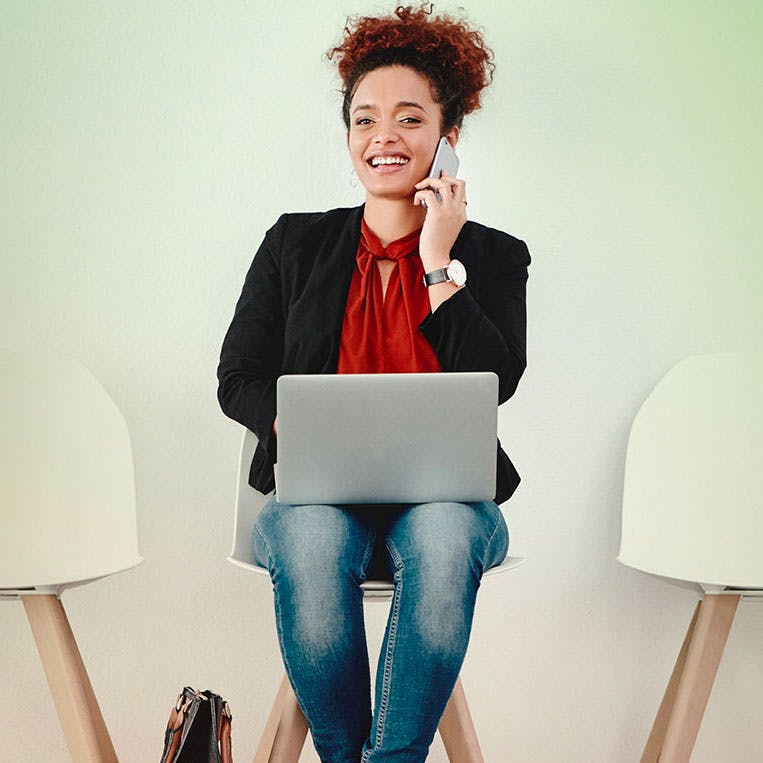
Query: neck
[[391, 219]]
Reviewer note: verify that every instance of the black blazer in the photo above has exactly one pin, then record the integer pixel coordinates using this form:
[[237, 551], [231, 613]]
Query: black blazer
[[288, 320]]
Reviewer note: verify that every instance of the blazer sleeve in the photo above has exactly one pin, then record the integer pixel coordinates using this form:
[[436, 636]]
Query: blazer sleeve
[[486, 331], [252, 351]]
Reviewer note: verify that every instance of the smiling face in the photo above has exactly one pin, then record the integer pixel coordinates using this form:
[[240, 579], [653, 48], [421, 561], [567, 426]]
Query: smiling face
[[394, 131]]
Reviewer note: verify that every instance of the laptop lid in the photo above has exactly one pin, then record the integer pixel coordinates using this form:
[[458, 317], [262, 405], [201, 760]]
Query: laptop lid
[[386, 438]]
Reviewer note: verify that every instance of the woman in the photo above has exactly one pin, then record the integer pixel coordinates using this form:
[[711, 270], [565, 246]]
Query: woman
[[342, 292]]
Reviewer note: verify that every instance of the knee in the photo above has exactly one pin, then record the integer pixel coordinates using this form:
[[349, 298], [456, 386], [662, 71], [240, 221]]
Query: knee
[[319, 614], [441, 608]]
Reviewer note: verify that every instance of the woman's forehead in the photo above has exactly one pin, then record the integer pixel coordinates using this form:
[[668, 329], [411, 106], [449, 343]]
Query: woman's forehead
[[393, 85]]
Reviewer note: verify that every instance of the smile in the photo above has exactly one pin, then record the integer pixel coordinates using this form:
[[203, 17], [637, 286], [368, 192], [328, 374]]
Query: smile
[[385, 165], [375, 161]]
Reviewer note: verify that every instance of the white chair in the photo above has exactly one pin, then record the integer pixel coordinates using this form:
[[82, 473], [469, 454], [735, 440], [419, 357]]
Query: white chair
[[284, 735], [693, 514], [68, 517]]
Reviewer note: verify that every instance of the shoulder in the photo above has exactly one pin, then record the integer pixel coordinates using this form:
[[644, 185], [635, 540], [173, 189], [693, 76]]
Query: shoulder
[[298, 223], [485, 242]]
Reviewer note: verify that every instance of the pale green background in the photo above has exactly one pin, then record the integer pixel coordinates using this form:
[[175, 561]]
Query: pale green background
[[146, 147]]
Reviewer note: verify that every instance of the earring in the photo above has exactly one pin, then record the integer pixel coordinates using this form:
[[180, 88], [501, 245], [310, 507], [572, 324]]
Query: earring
[[353, 178]]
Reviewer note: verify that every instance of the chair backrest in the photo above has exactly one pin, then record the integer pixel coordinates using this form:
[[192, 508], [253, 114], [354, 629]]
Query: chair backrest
[[249, 503], [67, 491], [693, 488]]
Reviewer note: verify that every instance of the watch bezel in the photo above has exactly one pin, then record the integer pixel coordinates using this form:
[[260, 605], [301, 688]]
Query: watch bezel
[[456, 272]]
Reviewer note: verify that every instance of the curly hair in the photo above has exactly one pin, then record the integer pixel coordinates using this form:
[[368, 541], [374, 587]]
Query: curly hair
[[453, 57]]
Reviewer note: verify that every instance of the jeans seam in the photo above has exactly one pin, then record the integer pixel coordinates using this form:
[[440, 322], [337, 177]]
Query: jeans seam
[[389, 654]]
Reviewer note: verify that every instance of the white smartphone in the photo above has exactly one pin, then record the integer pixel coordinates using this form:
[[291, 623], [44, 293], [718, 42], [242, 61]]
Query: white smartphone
[[445, 160]]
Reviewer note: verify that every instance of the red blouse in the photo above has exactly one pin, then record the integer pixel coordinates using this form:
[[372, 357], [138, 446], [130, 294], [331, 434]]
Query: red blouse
[[380, 332]]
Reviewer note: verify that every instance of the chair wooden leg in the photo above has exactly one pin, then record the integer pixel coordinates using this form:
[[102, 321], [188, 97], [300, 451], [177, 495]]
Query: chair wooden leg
[[657, 736], [457, 729], [285, 731], [711, 630], [84, 728]]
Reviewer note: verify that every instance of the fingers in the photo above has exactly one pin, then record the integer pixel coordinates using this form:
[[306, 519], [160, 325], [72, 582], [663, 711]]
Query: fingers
[[449, 188], [427, 197], [459, 189]]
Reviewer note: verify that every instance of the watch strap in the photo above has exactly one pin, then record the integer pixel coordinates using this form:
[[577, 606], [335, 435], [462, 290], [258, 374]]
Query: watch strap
[[436, 276]]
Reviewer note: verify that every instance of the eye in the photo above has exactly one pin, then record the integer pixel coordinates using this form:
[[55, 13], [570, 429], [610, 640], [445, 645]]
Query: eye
[[363, 121], [411, 120]]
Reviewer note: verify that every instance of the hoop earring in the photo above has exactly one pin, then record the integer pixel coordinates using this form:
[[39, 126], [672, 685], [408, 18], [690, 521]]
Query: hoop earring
[[353, 178]]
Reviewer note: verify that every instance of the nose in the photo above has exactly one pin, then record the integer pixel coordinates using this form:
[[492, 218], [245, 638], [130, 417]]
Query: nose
[[385, 133]]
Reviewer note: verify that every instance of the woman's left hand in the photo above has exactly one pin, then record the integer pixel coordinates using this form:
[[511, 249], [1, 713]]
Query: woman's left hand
[[444, 219]]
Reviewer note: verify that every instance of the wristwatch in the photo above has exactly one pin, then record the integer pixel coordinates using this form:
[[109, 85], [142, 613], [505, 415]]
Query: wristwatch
[[455, 273]]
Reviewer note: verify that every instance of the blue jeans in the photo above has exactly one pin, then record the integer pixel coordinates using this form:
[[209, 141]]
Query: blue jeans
[[318, 555]]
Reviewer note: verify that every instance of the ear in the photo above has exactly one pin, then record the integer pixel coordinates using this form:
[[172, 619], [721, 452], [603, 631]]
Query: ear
[[452, 135]]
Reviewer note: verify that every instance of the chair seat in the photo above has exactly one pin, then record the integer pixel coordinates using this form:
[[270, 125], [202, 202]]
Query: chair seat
[[382, 589], [58, 588]]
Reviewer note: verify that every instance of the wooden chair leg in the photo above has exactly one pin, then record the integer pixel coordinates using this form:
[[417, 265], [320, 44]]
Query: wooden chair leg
[[714, 619], [285, 730], [657, 736], [84, 728], [457, 729]]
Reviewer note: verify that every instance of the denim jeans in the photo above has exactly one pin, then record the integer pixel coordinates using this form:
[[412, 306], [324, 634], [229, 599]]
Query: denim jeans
[[318, 555]]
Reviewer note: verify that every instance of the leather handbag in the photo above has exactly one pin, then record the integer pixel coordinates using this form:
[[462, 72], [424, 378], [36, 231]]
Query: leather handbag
[[198, 730]]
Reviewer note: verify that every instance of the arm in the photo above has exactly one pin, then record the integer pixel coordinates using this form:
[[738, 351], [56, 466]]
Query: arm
[[252, 351], [487, 333]]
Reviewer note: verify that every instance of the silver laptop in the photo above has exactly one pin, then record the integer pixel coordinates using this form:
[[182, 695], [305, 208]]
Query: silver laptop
[[386, 438]]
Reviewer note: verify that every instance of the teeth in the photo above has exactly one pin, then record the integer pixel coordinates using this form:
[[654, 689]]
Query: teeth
[[377, 160]]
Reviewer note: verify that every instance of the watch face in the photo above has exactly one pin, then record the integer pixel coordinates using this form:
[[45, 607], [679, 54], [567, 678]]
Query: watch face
[[457, 272]]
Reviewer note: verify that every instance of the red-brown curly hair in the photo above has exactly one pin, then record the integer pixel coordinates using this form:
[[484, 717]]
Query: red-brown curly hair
[[452, 56]]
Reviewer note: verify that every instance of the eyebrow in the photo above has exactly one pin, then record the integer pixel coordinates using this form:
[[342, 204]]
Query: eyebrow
[[400, 104]]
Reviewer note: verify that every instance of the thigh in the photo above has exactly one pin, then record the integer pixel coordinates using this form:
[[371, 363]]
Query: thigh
[[317, 539], [448, 536]]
